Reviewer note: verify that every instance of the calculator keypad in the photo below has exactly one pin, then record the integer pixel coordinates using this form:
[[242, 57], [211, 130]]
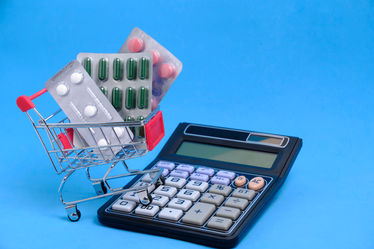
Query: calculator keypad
[[198, 197]]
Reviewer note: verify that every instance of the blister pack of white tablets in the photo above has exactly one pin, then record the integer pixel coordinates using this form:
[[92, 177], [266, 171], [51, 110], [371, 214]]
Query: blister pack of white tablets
[[166, 67], [125, 79], [83, 102]]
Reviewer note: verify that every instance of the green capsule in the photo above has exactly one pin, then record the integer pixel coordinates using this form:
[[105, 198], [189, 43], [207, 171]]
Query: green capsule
[[104, 91], [144, 68], [131, 69], [130, 98], [117, 98], [141, 128], [117, 69], [87, 65], [143, 98], [102, 72], [129, 119]]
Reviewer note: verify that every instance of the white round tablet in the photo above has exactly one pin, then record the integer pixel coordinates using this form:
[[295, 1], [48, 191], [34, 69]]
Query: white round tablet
[[76, 77], [119, 131], [102, 142], [62, 89], [90, 111]]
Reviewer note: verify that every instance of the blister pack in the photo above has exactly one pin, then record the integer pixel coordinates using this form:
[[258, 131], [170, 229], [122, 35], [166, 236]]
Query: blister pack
[[83, 102], [125, 79], [166, 67]]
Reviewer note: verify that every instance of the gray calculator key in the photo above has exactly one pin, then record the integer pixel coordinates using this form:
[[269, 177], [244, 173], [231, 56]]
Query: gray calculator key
[[228, 212], [159, 200], [150, 188], [212, 198], [236, 202], [170, 214], [180, 204], [189, 194], [197, 185], [175, 181], [131, 195], [166, 190], [244, 193], [124, 205], [199, 213], [219, 223], [220, 189], [149, 210]]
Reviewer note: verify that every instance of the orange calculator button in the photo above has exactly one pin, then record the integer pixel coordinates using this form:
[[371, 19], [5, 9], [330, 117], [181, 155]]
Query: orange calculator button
[[240, 181], [256, 183]]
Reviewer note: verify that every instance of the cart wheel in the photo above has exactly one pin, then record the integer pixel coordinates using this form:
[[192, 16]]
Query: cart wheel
[[160, 181], [74, 216], [146, 200]]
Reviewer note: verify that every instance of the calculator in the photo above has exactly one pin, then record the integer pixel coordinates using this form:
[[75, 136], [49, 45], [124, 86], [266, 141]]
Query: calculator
[[216, 183]]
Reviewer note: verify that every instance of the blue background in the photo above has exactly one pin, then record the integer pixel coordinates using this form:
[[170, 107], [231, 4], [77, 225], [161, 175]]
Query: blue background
[[302, 68]]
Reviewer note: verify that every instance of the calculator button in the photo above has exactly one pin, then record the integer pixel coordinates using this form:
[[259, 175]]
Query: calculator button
[[175, 182], [150, 188], [244, 193], [199, 213], [166, 190], [180, 204], [199, 177], [197, 185], [236, 202], [147, 177], [131, 195], [240, 181], [228, 212], [212, 198], [124, 205], [189, 194], [149, 210], [226, 174], [166, 165], [220, 189], [179, 173], [205, 171], [220, 180], [170, 214], [219, 223], [256, 183], [186, 167], [159, 200]]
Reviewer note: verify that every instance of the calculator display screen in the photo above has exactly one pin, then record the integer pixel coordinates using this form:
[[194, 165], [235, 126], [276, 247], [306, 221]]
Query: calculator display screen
[[227, 154]]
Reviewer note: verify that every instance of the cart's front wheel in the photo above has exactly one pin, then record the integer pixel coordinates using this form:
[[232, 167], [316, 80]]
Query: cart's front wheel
[[146, 200], [73, 213]]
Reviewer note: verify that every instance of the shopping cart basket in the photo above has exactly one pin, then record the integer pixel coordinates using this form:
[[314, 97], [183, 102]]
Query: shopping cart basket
[[68, 151]]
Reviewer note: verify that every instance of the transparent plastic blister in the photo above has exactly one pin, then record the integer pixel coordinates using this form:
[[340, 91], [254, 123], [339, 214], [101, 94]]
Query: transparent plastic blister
[[166, 67], [125, 79], [83, 102]]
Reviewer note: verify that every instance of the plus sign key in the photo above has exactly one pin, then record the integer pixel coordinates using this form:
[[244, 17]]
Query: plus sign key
[[199, 213]]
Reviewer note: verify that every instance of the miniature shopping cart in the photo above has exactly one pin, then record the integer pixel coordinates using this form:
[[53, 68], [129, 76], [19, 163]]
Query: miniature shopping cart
[[68, 152]]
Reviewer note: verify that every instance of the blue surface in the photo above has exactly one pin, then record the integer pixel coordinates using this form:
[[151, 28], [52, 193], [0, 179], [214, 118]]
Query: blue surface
[[302, 68]]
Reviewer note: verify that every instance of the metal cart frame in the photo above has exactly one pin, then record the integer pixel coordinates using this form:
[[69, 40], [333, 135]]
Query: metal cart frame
[[68, 151]]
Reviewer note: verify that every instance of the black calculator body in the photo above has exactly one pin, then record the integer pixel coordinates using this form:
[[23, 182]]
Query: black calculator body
[[217, 181]]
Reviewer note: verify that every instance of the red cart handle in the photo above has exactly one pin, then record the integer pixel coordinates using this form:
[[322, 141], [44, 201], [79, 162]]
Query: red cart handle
[[25, 103]]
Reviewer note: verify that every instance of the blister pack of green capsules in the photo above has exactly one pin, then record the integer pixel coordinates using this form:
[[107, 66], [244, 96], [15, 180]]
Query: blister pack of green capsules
[[125, 79]]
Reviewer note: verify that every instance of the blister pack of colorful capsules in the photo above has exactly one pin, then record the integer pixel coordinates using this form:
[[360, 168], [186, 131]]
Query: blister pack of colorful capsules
[[166, 67], [125, 79]]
